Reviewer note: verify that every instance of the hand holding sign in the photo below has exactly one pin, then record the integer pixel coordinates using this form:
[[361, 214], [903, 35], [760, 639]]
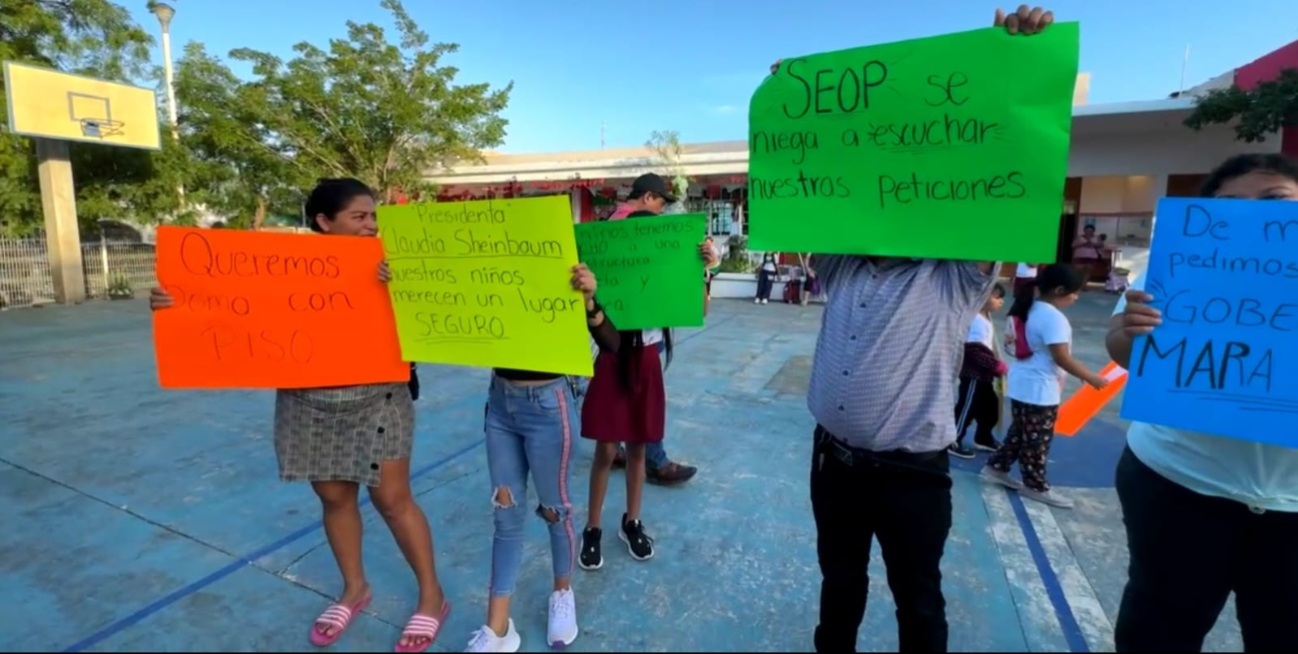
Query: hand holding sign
[[648, 269], [1219, 354], [258, 310], [909, 148]]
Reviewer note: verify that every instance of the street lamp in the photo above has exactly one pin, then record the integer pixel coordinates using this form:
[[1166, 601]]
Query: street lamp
[[165, 13]]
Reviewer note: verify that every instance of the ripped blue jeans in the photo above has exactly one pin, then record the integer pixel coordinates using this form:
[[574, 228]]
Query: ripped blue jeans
[[530, 429]]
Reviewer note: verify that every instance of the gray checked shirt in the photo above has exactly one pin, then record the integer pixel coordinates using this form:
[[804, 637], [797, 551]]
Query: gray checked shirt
[[890, 349]]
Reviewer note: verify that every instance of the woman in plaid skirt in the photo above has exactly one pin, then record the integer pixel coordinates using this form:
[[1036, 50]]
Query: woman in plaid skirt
[[339, 439]]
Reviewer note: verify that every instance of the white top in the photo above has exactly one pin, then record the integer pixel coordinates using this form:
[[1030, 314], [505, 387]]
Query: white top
[[1026, 271], [1038, 379], [651, 336], [769, 266], [1264, 477], [981, 332]]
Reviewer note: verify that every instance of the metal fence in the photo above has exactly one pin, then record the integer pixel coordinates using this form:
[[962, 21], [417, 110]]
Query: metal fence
[[25, 278]]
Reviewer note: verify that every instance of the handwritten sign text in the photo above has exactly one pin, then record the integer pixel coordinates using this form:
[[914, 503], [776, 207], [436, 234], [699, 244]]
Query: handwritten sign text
[[260, 310], [649, 271], [916, 148], [1224, 274]]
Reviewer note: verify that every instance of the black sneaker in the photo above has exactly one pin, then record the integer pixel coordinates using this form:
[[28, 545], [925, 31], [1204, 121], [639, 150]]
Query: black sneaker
[[592, 551], [990, 445], [961, 451], [637, 542]]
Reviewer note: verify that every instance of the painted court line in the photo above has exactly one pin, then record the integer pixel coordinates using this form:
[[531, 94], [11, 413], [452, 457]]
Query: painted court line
[[1078, 592], [1037, 618], [1067, 620], [242, 562]]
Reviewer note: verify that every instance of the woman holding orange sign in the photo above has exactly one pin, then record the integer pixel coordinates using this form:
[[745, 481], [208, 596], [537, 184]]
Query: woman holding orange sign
[[341, 438]]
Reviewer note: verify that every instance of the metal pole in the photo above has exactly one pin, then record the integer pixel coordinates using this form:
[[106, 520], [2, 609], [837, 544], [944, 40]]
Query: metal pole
[[165, 13], [1185, 61]]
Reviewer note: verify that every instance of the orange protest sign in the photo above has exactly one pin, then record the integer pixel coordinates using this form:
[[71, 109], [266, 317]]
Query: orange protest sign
[[1087, 402], [260, 310]]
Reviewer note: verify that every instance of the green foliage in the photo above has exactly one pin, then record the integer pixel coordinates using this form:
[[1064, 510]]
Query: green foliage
[[89, 37], [736, 260], [667, 145], [359, 107], [1264, 110], [364, 107]]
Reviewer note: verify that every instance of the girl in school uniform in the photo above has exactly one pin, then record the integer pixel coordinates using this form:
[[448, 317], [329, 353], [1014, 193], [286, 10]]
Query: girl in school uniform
[[529, 429], [1042, 356], [626, 404], [339, 439]]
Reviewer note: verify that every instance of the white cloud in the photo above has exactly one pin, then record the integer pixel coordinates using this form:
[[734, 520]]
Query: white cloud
[[725, 109]]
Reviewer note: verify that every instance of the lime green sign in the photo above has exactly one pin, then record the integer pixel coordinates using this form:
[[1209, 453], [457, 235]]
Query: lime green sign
[[952, 147], [648, 269]]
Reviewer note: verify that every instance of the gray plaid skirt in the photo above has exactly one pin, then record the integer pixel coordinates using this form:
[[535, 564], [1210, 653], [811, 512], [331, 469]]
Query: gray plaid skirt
[[342, 434]]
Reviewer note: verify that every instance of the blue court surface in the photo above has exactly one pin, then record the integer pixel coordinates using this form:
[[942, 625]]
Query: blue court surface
[[138, 519]]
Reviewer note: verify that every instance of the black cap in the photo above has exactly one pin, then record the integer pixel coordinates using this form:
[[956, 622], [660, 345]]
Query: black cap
[[651, 183]]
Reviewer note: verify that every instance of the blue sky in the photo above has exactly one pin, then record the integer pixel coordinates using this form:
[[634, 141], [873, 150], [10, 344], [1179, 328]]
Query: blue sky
[[691, 66]]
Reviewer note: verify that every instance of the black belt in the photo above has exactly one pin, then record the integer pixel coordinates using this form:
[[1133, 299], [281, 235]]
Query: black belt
[[928, 462]]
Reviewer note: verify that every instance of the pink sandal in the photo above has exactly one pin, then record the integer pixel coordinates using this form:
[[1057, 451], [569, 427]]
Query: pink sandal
[[423, 626], [339, 617]]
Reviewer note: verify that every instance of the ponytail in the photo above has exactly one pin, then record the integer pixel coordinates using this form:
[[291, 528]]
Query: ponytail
[[1055, 278], [1024, 296]]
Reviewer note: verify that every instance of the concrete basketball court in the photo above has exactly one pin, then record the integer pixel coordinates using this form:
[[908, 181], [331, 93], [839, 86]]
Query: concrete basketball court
[[138, 519]]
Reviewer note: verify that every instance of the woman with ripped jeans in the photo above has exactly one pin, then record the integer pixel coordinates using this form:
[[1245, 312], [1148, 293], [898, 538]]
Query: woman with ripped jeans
[[530, 428]]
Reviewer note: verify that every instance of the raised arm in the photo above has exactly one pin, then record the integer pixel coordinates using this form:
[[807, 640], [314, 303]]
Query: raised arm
[[601, 328]]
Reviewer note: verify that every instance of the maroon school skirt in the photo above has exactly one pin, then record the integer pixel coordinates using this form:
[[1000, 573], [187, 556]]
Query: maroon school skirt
[[612, 413]]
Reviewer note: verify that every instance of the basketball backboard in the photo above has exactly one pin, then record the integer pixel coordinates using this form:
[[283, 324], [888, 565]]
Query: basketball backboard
[[46, 103]]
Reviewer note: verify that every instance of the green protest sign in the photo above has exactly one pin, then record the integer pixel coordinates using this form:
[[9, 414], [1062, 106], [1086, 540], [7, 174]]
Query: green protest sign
[[648, 269], [949, 147]]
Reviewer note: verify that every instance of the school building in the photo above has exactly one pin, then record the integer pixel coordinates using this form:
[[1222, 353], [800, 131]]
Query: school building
[[1124, 157]]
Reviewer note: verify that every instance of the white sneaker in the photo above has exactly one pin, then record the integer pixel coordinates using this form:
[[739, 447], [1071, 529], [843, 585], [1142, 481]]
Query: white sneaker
[[486, 640], [766, 301], [993, 476], [757, 300], [1049, 498], [563, 619]]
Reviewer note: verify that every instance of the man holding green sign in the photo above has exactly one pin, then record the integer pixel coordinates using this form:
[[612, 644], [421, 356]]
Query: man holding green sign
[[882, 384]]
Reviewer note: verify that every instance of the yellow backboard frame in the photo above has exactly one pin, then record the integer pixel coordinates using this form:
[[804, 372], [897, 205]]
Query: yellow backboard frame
[[47, 103]]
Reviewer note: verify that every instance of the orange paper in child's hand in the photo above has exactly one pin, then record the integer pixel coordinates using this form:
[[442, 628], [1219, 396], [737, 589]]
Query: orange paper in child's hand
[[1087, 402], [263, 310]]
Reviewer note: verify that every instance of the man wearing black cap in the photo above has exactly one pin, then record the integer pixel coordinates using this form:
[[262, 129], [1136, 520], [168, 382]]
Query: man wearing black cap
[[650, 192]]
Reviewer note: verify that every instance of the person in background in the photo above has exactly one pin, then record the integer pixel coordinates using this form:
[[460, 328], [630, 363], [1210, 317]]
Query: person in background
[[711, 263], [339, 439], [810, 285], [881, 393], [977, 399], [1042, 356], [529, 429], [766, 278], [1088, 252], [1024, 275], [651, 195], [1224, 510]]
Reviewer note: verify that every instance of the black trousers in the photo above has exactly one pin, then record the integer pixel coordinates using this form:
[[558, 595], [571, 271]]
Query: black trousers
[[1188, 553], [903, 500], [765, 284], [978, 402]]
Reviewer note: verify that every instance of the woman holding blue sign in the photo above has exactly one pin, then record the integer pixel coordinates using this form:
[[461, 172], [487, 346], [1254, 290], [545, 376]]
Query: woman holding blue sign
[[339, 439], [1207, 516]]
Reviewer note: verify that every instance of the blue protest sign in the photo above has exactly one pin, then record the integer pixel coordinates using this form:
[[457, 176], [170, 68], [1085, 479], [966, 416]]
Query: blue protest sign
[[1224, 273]]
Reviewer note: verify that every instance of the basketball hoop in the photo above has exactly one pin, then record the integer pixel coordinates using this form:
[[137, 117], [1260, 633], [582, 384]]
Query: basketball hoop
[[101, 128]]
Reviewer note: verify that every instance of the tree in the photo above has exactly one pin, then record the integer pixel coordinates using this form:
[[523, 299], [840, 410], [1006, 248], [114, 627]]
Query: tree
[[367, 108], [95, 38], [1264, 110], [667, 145]]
